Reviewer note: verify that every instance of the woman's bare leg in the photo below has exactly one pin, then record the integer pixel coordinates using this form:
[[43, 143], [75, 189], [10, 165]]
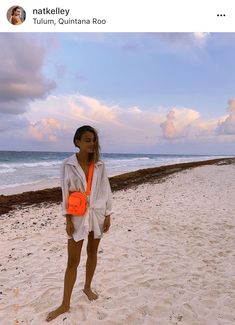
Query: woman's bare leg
[[92, 248], [74, 253]]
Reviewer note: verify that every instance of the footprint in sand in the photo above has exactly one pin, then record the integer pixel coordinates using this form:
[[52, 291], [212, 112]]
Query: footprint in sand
[[101, 315]]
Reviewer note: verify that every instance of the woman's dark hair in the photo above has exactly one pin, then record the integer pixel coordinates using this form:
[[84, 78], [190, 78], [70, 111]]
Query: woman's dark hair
[[78, 135], [14, 10]]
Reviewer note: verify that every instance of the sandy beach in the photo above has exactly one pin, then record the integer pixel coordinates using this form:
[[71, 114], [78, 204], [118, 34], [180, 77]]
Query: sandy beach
[[168, 258]]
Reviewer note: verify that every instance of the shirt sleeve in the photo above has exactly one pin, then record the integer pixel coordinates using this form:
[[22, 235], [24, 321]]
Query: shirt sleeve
[[64, 188], [108, 210]]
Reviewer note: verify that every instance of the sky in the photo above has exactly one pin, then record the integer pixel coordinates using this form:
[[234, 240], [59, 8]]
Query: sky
[[166, 93]]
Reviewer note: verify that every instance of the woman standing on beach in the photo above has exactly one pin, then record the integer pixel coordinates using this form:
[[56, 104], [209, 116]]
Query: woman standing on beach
[[96, 220]]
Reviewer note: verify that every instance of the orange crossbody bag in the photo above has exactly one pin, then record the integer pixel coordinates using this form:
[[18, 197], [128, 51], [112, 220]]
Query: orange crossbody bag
[[78, 201]]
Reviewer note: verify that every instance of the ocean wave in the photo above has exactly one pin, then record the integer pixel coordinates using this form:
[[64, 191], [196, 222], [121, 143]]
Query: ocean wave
[[7, 170], [126, 160], [32, 164], [43, 164]]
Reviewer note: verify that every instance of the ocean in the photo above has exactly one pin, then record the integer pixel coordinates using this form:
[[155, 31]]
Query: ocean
[[30, 170]]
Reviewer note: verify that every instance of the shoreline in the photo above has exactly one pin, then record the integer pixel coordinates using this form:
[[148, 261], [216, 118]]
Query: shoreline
[[118, 182], [25, 176]]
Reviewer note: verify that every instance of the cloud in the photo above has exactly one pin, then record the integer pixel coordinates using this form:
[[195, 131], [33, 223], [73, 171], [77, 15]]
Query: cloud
[[227, 127], [204, 128], [53, 121], [168, 128], [119, 127], [179, 123], [131, 128], [99, 111], [45, 130], [187, 124], [21, 76]]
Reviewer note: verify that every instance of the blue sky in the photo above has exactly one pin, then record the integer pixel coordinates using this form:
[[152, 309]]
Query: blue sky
[[144, 92]]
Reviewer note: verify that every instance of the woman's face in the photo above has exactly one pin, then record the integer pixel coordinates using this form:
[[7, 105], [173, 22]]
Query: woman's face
[[87, 142], [17, 12]]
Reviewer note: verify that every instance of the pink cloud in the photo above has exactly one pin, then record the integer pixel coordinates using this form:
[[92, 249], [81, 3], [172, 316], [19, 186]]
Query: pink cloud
[[168, 127], [45, 130]]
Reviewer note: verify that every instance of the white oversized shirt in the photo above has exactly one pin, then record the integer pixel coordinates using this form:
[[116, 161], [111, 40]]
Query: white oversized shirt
[[73, 179]]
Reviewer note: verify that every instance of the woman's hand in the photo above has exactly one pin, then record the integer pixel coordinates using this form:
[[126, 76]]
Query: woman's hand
[[69, 228], [106, 223]]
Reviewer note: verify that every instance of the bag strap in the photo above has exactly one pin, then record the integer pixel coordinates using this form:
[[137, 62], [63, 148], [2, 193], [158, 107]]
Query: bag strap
[[90, 174]]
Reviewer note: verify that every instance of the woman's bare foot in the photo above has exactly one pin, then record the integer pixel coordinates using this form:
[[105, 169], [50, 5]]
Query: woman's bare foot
[[53, 314], [90, 294]]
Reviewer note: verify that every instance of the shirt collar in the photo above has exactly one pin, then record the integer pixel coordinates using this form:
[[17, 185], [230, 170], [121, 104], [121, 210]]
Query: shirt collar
[[72, 160]]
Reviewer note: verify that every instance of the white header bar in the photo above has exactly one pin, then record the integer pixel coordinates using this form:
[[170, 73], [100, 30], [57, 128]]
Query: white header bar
[[118, 16]]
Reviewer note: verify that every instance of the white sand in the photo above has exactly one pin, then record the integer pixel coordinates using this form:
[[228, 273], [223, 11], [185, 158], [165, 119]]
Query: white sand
[[167, 259]]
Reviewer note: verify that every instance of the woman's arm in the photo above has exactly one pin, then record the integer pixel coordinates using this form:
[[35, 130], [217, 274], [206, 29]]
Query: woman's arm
[[65, 195], [108, 210], [64, 189]]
